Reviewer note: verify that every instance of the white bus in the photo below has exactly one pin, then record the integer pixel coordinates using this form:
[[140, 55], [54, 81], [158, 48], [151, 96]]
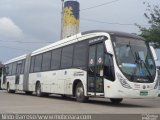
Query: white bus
[[105, 64]]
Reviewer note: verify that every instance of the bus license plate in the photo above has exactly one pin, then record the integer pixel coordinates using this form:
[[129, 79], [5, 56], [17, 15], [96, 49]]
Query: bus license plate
[[143, 93]]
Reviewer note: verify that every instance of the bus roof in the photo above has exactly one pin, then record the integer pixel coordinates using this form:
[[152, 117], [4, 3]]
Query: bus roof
[[116, 33], [16, 59], [72, 39]]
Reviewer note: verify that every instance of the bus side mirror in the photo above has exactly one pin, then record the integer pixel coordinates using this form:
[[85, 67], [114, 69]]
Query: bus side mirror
[[154, 53]]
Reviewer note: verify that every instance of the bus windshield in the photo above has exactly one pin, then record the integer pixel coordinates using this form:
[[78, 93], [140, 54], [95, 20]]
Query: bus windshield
[[135, 60]]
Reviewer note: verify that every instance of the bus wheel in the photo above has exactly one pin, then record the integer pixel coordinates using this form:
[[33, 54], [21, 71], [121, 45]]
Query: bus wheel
[[9, 90], [116, 100], [38, 90], [28, 92], [80, 93], [64, 96]]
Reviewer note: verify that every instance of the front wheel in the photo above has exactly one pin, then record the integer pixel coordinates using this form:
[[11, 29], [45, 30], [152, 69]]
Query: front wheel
[[80, 93], [116, 100], [28, 92]]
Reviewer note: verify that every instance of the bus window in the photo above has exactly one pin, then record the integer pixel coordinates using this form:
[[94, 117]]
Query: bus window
[[32, 64], [67, 54], [80, 54], [38, 62], [56, 58], [14, 66], [46, 61], [10, 69], [23, 65]]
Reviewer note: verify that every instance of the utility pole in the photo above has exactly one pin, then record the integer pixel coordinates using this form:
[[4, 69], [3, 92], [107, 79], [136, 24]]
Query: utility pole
[[62, 18]]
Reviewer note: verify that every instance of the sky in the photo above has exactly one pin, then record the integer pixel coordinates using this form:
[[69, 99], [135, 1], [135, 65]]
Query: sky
[[26, 25]]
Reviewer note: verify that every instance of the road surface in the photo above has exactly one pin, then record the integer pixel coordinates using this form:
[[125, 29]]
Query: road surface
[[21, 103]]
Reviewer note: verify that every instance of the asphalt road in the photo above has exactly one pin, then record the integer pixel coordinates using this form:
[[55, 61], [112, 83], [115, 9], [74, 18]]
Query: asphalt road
[[21, 103]]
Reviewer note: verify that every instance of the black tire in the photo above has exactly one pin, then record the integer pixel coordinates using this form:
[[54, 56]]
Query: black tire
[[64, 96], [45, 94], [80, 97], [9, 90], [28, 92], [116, 100], [38, 90]]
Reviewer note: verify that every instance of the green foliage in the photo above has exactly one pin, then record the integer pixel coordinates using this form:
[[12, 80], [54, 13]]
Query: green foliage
[[152, 34]]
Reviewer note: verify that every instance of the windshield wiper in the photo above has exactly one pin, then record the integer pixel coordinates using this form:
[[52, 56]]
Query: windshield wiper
[[129, 45], [139, 61], [134, 57], [150, 76]]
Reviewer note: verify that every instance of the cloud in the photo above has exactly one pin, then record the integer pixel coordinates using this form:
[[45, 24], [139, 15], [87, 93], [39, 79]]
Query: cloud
[[8, 29]]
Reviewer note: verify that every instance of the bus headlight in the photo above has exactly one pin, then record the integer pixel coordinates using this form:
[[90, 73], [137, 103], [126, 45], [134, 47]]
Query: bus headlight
[[123, 81]]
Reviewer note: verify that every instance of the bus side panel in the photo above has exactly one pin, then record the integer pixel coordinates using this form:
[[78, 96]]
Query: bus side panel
[[46, 80], [20, 85], [61, 76], [32, 82], [11, 81], [65, 79], [81, 75], [58, 81], [71, 77]]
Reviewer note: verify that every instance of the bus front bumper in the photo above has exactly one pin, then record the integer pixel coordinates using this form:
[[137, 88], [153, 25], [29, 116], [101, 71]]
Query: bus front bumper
[[130, 93]]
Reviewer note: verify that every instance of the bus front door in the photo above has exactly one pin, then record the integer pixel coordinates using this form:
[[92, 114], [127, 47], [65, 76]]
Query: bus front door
[[95, 82]]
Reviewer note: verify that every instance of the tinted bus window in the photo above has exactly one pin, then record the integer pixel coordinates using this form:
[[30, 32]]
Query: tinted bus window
[[46, 61], [38, 62], [19, 67], [32, 64], [10, 69], [14, 67], [56, 58], [67, 53], [23, 66], [80, 54]]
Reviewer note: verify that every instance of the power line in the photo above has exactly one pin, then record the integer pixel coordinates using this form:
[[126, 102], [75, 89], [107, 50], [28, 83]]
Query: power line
[[115, 23], [24, 42], [15, 48], [91, 20], [99, 5]]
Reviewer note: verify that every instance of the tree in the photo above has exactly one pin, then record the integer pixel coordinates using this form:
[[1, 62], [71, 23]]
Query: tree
[[152, 34]]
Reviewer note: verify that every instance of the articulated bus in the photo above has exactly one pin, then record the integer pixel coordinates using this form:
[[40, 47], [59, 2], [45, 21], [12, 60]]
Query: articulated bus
[[104, 64]]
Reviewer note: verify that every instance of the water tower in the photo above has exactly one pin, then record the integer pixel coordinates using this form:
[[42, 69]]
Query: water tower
[[70, 18]]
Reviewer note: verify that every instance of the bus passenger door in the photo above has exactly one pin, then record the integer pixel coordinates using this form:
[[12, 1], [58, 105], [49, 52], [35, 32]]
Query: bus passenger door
[[18, 70], [95, 70]]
